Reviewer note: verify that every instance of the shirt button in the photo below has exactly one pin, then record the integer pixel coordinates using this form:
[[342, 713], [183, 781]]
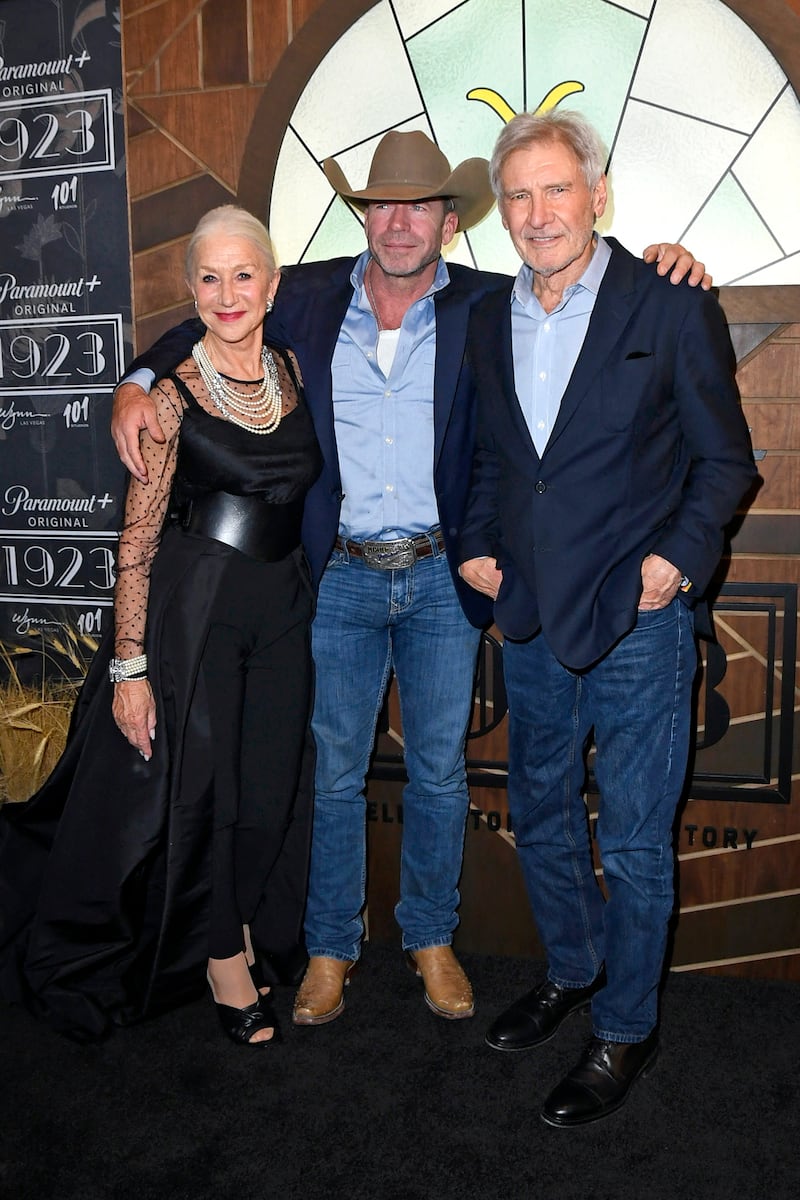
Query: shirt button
[[390, 487], [547, 327], [390, 441], [540, 425], [541, 486], [543, 374], [387, 393]]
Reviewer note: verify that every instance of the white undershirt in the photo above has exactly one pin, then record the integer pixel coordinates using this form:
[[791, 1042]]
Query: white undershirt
[[387, 348]]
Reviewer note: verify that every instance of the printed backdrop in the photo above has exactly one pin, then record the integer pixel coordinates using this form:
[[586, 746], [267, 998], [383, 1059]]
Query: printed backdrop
[[65, 323]]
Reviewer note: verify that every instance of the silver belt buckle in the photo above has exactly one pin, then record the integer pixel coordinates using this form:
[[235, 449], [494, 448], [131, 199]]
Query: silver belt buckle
[[390, 556]]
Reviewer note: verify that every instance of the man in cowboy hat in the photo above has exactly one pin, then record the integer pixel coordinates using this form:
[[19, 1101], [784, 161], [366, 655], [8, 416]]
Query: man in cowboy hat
[[380, 341]]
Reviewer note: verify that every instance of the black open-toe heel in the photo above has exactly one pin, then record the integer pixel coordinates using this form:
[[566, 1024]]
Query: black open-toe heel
[[241, 1023], [257, 976]]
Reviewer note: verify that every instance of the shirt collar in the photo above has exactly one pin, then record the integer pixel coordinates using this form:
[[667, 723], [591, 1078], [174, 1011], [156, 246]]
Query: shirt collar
[[440, 279], [590, 280]]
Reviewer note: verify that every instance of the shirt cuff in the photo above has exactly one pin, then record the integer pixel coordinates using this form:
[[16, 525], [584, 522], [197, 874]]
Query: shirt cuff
[[142, 375]]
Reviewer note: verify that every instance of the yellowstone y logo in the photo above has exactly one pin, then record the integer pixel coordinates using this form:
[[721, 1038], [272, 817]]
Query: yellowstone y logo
[[695, 143], [504, 110]]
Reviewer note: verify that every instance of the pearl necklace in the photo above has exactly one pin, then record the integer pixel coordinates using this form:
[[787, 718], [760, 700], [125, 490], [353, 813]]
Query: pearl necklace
[[264, 404]]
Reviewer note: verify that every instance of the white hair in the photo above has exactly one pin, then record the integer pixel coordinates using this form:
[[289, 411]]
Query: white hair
[[530, 129], [234, 221]]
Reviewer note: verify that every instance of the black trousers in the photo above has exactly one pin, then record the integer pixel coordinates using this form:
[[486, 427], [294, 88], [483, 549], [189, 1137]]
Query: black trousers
[[256, 666]]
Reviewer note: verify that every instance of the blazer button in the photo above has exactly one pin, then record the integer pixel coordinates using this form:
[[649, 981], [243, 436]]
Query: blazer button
[[541, 486]]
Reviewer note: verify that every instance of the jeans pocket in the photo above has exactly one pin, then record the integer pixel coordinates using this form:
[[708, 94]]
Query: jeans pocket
[[652, 618]]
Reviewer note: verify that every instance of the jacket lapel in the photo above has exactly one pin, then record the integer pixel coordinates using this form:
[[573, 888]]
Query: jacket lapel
[[326, 313], [451, 306], [500, 318], [615, 304]]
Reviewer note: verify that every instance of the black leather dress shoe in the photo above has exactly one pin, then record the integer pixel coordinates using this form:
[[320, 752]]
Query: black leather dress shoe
[[535, 1017], [600, 1082]]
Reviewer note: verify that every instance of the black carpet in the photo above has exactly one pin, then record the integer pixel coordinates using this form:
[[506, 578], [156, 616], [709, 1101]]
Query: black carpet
[[392, 1102]]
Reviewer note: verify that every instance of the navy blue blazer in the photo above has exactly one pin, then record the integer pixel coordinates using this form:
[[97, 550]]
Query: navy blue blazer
[[310, 306], [650, 453]]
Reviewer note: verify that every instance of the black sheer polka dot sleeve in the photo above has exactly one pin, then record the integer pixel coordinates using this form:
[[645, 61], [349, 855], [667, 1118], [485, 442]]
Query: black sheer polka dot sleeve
[[145, 508]]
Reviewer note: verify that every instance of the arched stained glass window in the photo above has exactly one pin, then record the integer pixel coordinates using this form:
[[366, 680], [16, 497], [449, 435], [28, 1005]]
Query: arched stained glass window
[[701, 122]]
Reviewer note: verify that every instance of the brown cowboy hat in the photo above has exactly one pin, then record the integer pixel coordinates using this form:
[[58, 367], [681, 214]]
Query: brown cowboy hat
[[409, 166]]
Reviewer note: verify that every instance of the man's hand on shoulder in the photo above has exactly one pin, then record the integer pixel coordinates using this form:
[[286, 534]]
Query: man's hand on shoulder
[[133, 411], [671, 256], [482, 575]]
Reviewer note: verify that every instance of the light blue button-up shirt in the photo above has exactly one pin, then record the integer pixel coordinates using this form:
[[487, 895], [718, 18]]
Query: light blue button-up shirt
[[546, 345], [384, 424]]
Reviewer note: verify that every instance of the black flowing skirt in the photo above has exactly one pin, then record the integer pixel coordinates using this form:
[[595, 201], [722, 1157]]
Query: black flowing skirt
[[105, 874]]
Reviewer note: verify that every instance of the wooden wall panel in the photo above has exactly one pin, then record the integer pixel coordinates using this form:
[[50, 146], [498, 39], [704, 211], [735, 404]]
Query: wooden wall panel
[[773, 370], [716, 875], [781, 965], [158, 275], [152, 326], [169, 213], [178, 63], [147, 29], [212, 126], [780, 471], [148, 81], [225, 43], [774, 423], [758, 568], [155, 162], [301, 11], [269, 38], [764, 928], [741, 908]]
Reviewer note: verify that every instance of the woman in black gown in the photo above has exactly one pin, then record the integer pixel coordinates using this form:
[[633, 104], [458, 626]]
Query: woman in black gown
[[147, 861]]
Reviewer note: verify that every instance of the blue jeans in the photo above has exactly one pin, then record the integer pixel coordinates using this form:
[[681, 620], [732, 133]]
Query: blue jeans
[[638, 700], [369, 621]]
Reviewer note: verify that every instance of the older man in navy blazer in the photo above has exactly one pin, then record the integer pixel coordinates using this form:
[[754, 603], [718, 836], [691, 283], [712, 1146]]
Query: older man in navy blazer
[[611, 453]]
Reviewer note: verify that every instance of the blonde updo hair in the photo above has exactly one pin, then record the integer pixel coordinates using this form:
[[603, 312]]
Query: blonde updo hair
[[234, 221]]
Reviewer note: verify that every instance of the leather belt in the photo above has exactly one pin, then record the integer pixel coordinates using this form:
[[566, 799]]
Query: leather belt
[[396, 554], [253, 526]]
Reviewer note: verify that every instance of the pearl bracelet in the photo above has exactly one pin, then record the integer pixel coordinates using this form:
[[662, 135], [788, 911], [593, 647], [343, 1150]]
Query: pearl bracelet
[[121, 669]]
